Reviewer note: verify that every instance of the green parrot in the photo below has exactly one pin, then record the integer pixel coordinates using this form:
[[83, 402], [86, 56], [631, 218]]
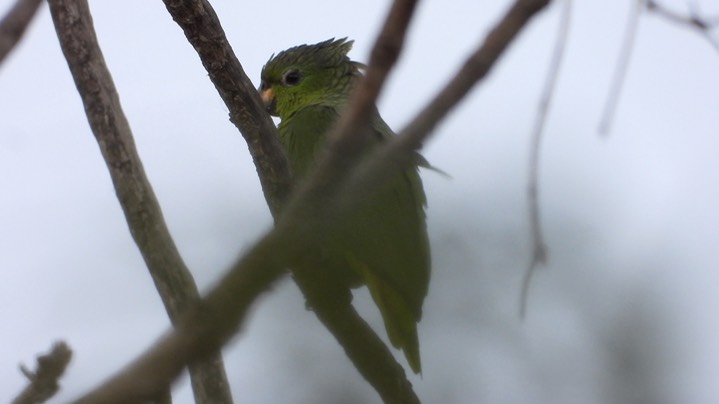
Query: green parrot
[[383, 245]]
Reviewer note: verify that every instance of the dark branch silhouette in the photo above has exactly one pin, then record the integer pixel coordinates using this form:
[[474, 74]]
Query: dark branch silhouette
[[173, 280], [44, 380], [13, 25]]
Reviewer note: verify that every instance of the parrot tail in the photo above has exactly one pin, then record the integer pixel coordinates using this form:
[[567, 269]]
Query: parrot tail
[[400, 320]]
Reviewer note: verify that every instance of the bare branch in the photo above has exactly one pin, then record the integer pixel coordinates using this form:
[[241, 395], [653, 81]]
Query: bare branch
[[173, 280], [44, 381], [382, 59], [221, 312], [202, 28], [13, 25], [539, 246], [693, 20], [331, 302], [397, 152], [620, 71]]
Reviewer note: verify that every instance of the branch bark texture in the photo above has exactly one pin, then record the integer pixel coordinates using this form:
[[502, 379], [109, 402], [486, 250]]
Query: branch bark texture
[[173, 280], [202, 28]]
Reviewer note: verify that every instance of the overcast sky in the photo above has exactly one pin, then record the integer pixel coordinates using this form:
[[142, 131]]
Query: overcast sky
[[625, 310]]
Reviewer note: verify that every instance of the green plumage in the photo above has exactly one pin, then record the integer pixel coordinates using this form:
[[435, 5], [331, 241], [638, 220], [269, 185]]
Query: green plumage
[[384, 244]]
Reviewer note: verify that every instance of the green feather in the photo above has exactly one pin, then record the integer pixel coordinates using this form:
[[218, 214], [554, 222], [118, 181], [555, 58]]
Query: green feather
[[384, 244]]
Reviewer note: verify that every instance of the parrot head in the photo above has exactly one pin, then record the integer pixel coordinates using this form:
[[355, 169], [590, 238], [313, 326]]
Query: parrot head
[[308, 75]]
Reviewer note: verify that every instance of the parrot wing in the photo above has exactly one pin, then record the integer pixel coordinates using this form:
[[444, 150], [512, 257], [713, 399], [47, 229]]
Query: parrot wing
[[384, 241]]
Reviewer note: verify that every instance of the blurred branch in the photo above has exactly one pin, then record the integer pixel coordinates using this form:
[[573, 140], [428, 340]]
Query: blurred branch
[[397, 152], [13, 25], [539, 246], [350, 131], [220, 313], [693, 20], [620, 71], [173, 280], [44, 381]]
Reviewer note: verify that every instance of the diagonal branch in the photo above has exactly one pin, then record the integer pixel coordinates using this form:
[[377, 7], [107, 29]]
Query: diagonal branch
[[173, 280], [13, 25], [222, 311], [694, 20], [202, 28], [398, 151]]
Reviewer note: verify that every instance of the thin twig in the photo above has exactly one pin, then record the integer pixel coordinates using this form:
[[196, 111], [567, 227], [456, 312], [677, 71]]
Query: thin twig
[[693, 20], [44, 381], [620, 71], [539, 246], [221, 312], [700, 23], [172, 278], [14, 24]]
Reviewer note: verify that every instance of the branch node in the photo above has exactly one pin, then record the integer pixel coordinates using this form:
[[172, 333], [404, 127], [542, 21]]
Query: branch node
[[44, 382]]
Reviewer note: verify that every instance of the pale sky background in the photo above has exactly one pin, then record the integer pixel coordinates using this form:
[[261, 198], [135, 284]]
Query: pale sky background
[[624, 312]]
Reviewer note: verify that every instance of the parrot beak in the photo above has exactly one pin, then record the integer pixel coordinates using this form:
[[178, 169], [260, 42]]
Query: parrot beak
[[268, 98]]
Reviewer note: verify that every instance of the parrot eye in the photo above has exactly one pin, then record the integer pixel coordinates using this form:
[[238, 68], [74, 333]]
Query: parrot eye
[[291, 78]]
